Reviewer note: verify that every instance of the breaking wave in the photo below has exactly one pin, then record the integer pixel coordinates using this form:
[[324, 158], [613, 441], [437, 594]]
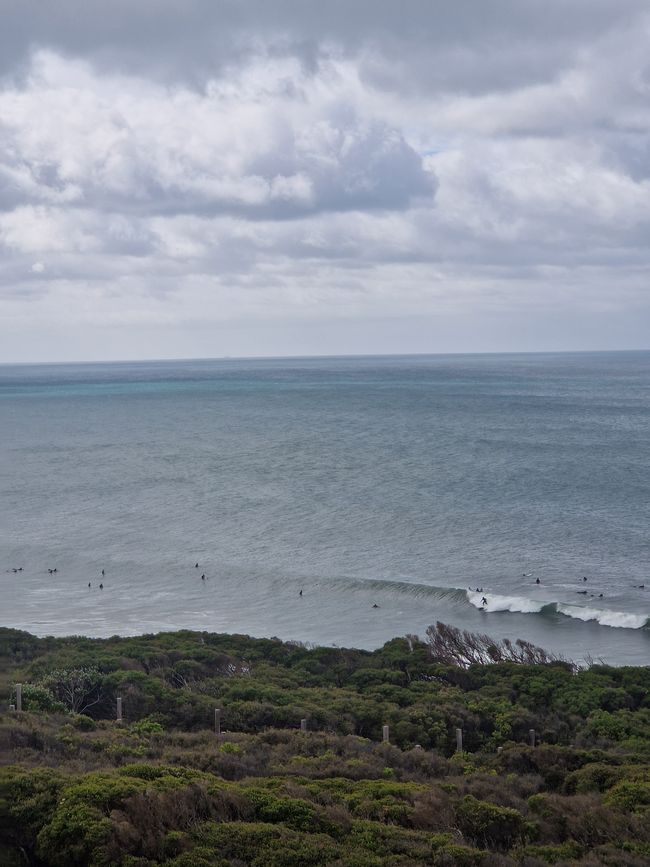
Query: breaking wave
[[501, 603], [621, 619], [523, 605], [505, 603]]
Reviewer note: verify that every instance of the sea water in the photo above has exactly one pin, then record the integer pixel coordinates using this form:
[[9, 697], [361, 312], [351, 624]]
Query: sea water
[[437, 488]]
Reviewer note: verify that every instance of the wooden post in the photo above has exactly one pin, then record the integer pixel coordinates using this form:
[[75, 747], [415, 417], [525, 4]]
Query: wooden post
[[217, 720], [303, 725], [459, 740], [531, 735], [499, 749], [118, 717], [19, 696], [385, 735]]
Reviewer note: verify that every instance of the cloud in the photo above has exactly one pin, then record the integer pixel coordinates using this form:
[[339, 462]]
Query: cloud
[[184, 166], [265, 141]]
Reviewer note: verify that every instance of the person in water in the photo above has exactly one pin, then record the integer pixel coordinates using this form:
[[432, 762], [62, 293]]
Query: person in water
[[375, 605], [300, 594], [101, 586], [537, 581]]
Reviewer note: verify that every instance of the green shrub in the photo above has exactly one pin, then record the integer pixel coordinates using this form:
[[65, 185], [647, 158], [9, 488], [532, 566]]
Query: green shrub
[[264, 845], [549, 854], [146, 726], [39, 699], [295, 813], [453, 855], [629, 796], [491, 826], [28, 798], [82, 722]]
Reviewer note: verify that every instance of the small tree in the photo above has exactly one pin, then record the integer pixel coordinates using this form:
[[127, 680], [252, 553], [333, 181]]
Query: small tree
[[453, 646], [76, 688]]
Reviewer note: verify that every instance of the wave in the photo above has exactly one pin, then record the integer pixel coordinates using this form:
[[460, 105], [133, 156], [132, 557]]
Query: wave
[[620, 619], [519, 604], [524, 605], [498, 603]]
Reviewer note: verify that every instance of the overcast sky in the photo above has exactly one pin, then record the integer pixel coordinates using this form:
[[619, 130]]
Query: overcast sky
[[192, 178]]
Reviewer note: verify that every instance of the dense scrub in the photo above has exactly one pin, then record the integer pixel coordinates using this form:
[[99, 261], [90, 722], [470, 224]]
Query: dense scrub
[[79, 789]]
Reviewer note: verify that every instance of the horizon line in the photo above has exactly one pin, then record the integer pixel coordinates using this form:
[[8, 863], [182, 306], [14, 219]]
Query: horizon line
[[325, 356]]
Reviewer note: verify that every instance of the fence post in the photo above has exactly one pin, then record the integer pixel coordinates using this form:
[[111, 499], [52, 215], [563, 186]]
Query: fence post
[[217, 720], [531, 735], [118, 717], [385, 735], [303, 725], [459, 740], [19, 696]]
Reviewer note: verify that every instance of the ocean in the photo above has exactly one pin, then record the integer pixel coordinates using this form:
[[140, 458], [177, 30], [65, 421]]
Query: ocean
[[437, 488]]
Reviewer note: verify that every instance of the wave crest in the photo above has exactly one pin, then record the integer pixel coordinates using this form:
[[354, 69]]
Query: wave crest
[[524, 605], [620, 619], [514, 604]]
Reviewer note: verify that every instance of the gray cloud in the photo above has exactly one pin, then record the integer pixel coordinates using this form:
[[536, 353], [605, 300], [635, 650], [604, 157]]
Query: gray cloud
[[168, 165]]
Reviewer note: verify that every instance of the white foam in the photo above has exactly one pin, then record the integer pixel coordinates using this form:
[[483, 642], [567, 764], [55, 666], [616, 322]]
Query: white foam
[[621, 619], [505, 603]]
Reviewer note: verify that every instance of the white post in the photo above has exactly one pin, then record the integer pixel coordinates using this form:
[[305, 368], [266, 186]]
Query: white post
[[19, 696], [303, 725], [118, 717], [531, 735], [459, 740], [217, 721], [385, 736]]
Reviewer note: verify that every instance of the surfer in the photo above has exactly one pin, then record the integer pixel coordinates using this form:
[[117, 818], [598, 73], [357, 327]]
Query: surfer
[[196, 565], [584, 578], [203, 577], [89, 583], [101, 586], [484, 601], [300, 594], [103, 573], [537, 581], [375, 605]]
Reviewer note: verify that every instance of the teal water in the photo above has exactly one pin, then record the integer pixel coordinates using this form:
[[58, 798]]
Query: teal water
[[400, 482]]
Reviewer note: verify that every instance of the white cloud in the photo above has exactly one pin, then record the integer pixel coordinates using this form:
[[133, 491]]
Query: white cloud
[[301, 179]]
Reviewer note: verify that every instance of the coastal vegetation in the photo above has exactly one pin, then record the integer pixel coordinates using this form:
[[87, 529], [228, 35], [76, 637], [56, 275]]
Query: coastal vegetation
[[161, 787]]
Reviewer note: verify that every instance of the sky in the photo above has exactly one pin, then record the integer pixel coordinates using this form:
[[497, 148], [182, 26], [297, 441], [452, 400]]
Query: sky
[[203, 178]]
